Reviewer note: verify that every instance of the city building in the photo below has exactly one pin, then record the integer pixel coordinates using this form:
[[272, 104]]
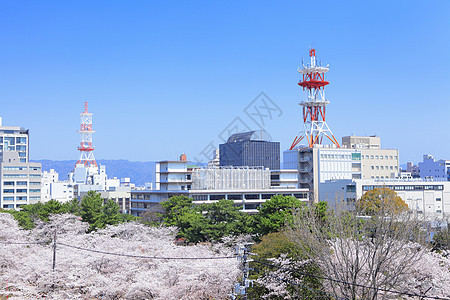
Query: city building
[[431, 168], [13, 138], [357, 158], [20, 182], [248, 187], [430, 198], [54, 189], [251, 149]]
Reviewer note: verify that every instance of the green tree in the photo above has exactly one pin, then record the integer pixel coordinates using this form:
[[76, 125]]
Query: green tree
[[275, 213], [110, 214], [174, 208], [277, 245], [381, 200], [224, 218], [72, 207], [91, 210]]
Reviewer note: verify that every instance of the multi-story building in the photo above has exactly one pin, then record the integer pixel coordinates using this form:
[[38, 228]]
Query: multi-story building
[[20, 182], [54, 189], [13, 138], [252, 149], [358, 157], [430, 198], [248, 187], [431, 168]]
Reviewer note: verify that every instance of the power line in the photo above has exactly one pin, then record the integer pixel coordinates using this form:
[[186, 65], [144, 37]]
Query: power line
[[356, 284], [146, 257], [25, 243]]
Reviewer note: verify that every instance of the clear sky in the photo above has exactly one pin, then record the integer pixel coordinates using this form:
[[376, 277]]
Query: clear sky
[[166, 77]]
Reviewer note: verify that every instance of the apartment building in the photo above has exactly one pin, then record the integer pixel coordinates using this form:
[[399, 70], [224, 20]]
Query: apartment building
[[14, 138]]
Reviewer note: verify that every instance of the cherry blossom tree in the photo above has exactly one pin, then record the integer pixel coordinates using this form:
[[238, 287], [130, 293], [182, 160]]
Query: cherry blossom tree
[[81, 274]]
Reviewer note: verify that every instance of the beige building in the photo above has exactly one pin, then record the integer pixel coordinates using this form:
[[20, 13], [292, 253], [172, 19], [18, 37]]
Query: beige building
[[20, 182], [358, 158]]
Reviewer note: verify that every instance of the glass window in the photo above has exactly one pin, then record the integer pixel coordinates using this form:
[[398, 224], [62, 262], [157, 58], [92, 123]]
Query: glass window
[[8, 191], [378, 167], [22, 154], [21, 198], [35, 190], [392, 167], [16, 175], [391, 157], [21, 148], [386, 157], [9, 140], [21, 183], [371, 157], [21, 140], [381, 156], [382, 168], [8, 198], [35, 168], [373, 167], [8, 183], [438, 199], [395, 157], [21, 190]]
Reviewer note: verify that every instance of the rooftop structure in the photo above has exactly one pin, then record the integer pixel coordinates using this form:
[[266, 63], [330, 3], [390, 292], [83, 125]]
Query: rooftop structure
[[315, 127]]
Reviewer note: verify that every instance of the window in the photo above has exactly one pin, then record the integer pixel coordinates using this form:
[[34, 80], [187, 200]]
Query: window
[[21, 198], [373, 167], [382, 168], [392, 167], [395, 157], [371, 157], [8, 198], [377, 167], [391, 157], [21, 148], [35, 175], [21, 183], [35, 198], [438, 211], [395, 167], [8, 191], [8, 183], [21, 140], [438, 199], [381, 156], [386, 157], [21, 190], [367, 156], [376, 156], [409, 187], [35, 168], [35, 190], [35, 183]]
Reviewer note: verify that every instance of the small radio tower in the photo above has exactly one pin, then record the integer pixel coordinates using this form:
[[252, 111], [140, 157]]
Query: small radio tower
[[314, 106], [86, 148]]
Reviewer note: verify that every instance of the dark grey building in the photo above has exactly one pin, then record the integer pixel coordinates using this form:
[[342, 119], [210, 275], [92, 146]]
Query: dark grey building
[[253, 148]]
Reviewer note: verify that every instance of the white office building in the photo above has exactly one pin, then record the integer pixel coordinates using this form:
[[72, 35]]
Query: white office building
[[20, 182], [54, 189], [430, 198]]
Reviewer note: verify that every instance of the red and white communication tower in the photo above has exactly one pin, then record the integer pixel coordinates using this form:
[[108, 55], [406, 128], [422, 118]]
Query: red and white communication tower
[[86, 148], [314, 106]]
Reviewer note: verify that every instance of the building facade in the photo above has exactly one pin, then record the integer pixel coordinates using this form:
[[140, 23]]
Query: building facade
[[13, 138], [431, 168], [358, 158], [252, 149], [430, 198], [20, 182]]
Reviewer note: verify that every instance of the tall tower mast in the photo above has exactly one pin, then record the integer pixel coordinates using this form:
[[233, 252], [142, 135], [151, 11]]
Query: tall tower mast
[[315, 127], [86, 148]]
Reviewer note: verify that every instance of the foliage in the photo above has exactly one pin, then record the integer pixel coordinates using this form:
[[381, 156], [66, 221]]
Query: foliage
[[275, 213], [92, 209], [378, 251], [441, 239], [381, 199], [205, 222], [277, 249], [88, 275]]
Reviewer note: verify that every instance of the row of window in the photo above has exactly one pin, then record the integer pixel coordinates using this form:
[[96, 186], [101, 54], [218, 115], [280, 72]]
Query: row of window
[[380, 157], [404, 187], [13, 140], [18, 198], [20, 183], [20, 168], [11, 191], [21, 175], [384, 167]]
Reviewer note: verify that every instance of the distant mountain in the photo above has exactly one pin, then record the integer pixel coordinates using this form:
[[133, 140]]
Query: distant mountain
[[139, 172]]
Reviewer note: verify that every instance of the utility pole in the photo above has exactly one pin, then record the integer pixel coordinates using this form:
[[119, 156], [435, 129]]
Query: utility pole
[[240, 289], [54, 250]]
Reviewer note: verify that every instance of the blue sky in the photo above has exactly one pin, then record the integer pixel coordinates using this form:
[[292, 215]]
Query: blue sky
[[164, 78]]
